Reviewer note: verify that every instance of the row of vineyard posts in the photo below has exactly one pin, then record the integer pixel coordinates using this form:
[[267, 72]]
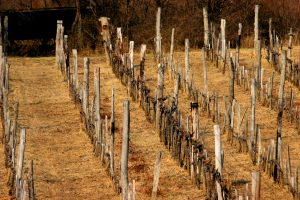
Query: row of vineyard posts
[[185, 145], [21, 179]]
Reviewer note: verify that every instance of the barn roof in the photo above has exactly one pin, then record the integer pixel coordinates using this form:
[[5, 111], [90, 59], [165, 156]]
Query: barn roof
[[34, 5]]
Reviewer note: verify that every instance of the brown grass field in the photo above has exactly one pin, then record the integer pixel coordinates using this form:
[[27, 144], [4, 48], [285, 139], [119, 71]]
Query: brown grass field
[[65, 167]]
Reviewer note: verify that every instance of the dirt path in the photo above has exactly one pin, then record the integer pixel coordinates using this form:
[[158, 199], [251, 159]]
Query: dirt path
[[65, 167]]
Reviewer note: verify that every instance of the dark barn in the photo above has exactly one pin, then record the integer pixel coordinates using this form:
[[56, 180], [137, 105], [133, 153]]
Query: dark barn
[[32, 23]]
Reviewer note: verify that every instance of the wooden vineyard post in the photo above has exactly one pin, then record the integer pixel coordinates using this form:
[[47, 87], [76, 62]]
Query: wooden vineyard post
[[160, 95], [131, 47], [280, 110], [206, 30], [238, 46], [271, 89], [158, 36], [106, 37], [19, 170], [296, 183], [171, 52], [112, 134], [231, 86], [195, 120], [32, 190], [256, 27], [232, 119], [66, 61], [218, 158], [5, 36], [57, 41], [75, 73], [187, 64], [259, 146], [97, 101], [14, 132], [271, 41], [289, 53], [176, 90], [6, 80], [253, 108], [119, 42], [86, 89], [270, 35], [142, 61], [106, 136], [1, 36], [133, 190], [156, 174], [24, 190], [255, 185], [258, 63], [61, 51], [204, 72], [223, 42], [125, 150]]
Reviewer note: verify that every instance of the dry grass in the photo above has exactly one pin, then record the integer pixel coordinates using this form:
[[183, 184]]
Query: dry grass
[[4, 173], [64, 161], [238, 166], [65, 167]]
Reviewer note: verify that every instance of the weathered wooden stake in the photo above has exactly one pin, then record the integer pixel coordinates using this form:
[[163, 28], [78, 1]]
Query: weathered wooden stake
[[232, 116], [206, 30], [156, 174], [5, 36], [280, 108], [271, 36], [218, 158], [258, 63], [97, 95], [106, 135], [86, 88], [255, 185], [187, 64], [171, 52], [204, 71], [271, 89], [289, 53], [112, 133], [259, 146], [238, 46], [296, 182], [142, 62], [66, 61], [223, 40], [105, 33], [125, 150], [160, 95], [232, 77], [133, 190], [158, 36], [57, 41], [256, 27], [131, 47], [1, 35], [176, 90], [32, 190], [19, 170], [253, 108], [75, 75]]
